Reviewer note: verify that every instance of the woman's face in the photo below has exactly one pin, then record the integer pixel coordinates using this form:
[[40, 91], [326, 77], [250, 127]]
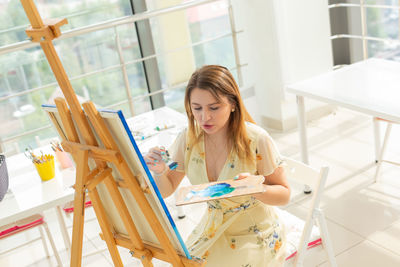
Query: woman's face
[[210, 113]]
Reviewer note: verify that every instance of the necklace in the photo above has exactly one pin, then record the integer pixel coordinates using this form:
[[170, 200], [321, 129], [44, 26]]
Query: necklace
[[217, 155]]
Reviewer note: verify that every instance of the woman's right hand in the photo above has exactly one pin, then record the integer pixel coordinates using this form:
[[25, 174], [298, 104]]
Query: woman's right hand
[[154, 160]]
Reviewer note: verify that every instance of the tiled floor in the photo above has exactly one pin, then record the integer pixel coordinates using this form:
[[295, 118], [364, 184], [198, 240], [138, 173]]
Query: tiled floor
[[363, 217]]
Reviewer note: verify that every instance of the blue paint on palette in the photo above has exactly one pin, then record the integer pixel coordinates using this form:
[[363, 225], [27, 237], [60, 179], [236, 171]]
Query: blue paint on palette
[[215, 190]]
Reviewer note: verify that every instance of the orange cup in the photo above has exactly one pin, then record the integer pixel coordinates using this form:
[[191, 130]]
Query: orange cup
[[64, 159]]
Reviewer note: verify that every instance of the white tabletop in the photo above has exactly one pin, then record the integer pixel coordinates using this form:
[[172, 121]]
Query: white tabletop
[[371, 86], [147, 122], [28, 195]]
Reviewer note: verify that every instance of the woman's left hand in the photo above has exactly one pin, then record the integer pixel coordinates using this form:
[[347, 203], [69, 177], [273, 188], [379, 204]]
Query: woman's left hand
[[242, 175], [245, 175]]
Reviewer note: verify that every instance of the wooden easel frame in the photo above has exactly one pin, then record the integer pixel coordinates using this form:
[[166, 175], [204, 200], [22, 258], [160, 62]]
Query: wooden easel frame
[[74, 120]]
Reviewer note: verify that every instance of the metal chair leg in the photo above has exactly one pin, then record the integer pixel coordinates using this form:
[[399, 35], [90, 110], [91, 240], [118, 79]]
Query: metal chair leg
[[377, 135], [382, 151], [53, 245], [43, 237], [63, 228]]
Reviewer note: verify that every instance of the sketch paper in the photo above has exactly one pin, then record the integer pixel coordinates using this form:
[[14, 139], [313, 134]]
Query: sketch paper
[[221, 189]]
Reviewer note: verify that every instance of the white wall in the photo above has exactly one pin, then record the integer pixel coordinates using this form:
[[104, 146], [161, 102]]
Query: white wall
[[284, 41], [174, 33]]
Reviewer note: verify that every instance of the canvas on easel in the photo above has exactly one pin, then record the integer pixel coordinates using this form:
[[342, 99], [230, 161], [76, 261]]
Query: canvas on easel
[[121, 133]]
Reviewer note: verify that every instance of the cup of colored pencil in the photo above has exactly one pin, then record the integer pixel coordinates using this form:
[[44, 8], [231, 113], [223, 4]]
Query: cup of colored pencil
[[61, 156], [46, 167], [44, 164]]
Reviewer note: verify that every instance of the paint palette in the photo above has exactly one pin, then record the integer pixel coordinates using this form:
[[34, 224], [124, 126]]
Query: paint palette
[[221, 189]]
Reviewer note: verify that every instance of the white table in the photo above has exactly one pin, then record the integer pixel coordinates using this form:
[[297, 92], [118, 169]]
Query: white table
[[28, 195], [146, 123], [371, 87]]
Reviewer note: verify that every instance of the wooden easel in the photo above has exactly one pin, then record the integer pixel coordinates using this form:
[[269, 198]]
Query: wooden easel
[[88, 148]]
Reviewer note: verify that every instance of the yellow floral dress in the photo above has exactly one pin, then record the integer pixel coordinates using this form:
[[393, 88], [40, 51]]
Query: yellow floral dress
[[239, 231]]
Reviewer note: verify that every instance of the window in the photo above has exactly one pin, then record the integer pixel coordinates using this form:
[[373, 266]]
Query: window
[[373, 25], [114, 65], [27, 82]]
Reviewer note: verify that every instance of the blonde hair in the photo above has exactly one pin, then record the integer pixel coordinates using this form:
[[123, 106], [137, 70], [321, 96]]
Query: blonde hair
[[219, 82]]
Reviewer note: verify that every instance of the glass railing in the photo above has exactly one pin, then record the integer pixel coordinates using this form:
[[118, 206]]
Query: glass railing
[[104, 63]]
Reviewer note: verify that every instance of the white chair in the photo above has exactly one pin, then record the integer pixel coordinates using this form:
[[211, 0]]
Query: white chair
[[380, 150], [36, 220], [299, 174]]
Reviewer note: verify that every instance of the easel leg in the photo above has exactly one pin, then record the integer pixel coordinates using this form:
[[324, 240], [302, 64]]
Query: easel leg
[[105, 227], [147, 262], [82, 170]]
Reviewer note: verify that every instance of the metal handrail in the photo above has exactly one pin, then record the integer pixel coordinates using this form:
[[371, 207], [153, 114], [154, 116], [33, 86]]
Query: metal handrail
[[365, 5], [350, 36], [71, 15], [179, 85], [15, 137], [107, 24], [117, 66], [235, 43]]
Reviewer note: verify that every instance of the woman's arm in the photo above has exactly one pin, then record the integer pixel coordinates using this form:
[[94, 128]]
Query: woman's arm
[[168, 181], [277, 189]]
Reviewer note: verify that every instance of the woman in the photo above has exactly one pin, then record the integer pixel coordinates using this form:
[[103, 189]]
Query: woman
[[222, 142]]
